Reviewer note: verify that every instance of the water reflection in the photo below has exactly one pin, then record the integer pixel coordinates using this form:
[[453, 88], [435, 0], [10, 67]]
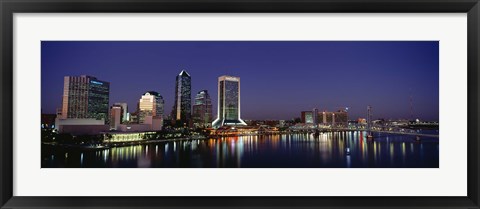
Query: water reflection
[[267, 151]]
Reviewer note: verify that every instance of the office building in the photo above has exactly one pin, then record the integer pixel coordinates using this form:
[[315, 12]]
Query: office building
[[228, 102], [307, 117], [325, 118], [341, 118], [182, 107], [85, 97], [151, 104], [202, 110], [338, 118]]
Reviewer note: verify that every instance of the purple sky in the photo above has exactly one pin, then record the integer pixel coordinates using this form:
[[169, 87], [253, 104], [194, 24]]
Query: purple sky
[[279, 79]]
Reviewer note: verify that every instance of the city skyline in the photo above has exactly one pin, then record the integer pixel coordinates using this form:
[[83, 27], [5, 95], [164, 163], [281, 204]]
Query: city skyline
[[409, 86]]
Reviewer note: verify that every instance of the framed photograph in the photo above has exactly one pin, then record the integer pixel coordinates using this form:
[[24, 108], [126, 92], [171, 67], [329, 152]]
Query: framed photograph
[[239, 104]]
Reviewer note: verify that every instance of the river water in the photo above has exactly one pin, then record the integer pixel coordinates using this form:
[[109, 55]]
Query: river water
[[267, 151]]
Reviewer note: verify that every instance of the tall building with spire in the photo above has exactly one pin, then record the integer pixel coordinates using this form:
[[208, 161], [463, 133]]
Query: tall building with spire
[[202, 110], [228, 102], [183, 98]]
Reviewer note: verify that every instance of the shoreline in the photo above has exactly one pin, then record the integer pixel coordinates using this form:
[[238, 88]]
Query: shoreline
[[108, 145]]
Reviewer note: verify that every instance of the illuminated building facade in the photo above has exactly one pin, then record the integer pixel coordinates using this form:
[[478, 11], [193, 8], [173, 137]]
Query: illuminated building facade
[[151, 104], [85, 97], [228, 102], [202, 110], [307, 117], [338, 118], [126, 136], [341, 118], [182, 107], [81, 126]]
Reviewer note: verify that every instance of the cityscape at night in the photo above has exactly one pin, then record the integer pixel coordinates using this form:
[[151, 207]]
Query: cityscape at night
[[240, 104]]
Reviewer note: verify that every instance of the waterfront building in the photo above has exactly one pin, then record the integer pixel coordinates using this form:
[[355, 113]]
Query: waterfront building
[[85, 97], [325, 118], [307, 117], [329, 118], [81, 126], [182, 107], [338, 118], [133, 136], [150, 123], [228, 102], [202, 110], [341, 118], [315, 116], [151, 104]]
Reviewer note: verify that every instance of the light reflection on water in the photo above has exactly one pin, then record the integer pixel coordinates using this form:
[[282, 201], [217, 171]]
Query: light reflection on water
[[272, 151]]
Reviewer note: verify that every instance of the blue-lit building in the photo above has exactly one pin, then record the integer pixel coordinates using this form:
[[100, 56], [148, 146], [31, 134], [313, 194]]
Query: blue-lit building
[[228, 102], [85, 97]]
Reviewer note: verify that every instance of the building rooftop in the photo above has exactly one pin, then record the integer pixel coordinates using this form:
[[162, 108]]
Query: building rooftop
[[228, 78], [184, 73], [152, 93]]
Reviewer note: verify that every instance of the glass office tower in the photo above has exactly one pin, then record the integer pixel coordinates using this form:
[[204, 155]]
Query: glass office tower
[[202, 110], [85, 97], [183, 104], [228, 102]]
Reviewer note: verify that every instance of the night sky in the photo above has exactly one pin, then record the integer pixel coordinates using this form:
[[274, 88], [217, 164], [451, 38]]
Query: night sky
[[279, 79]]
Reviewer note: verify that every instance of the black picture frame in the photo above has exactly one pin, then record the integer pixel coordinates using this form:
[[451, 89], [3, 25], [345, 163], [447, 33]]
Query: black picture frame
[[9, 7]]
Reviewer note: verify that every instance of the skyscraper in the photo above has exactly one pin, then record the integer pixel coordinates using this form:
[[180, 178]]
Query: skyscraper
[[85, 97], [151, 104], [202, 109], [228, 102], [182, 107]]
